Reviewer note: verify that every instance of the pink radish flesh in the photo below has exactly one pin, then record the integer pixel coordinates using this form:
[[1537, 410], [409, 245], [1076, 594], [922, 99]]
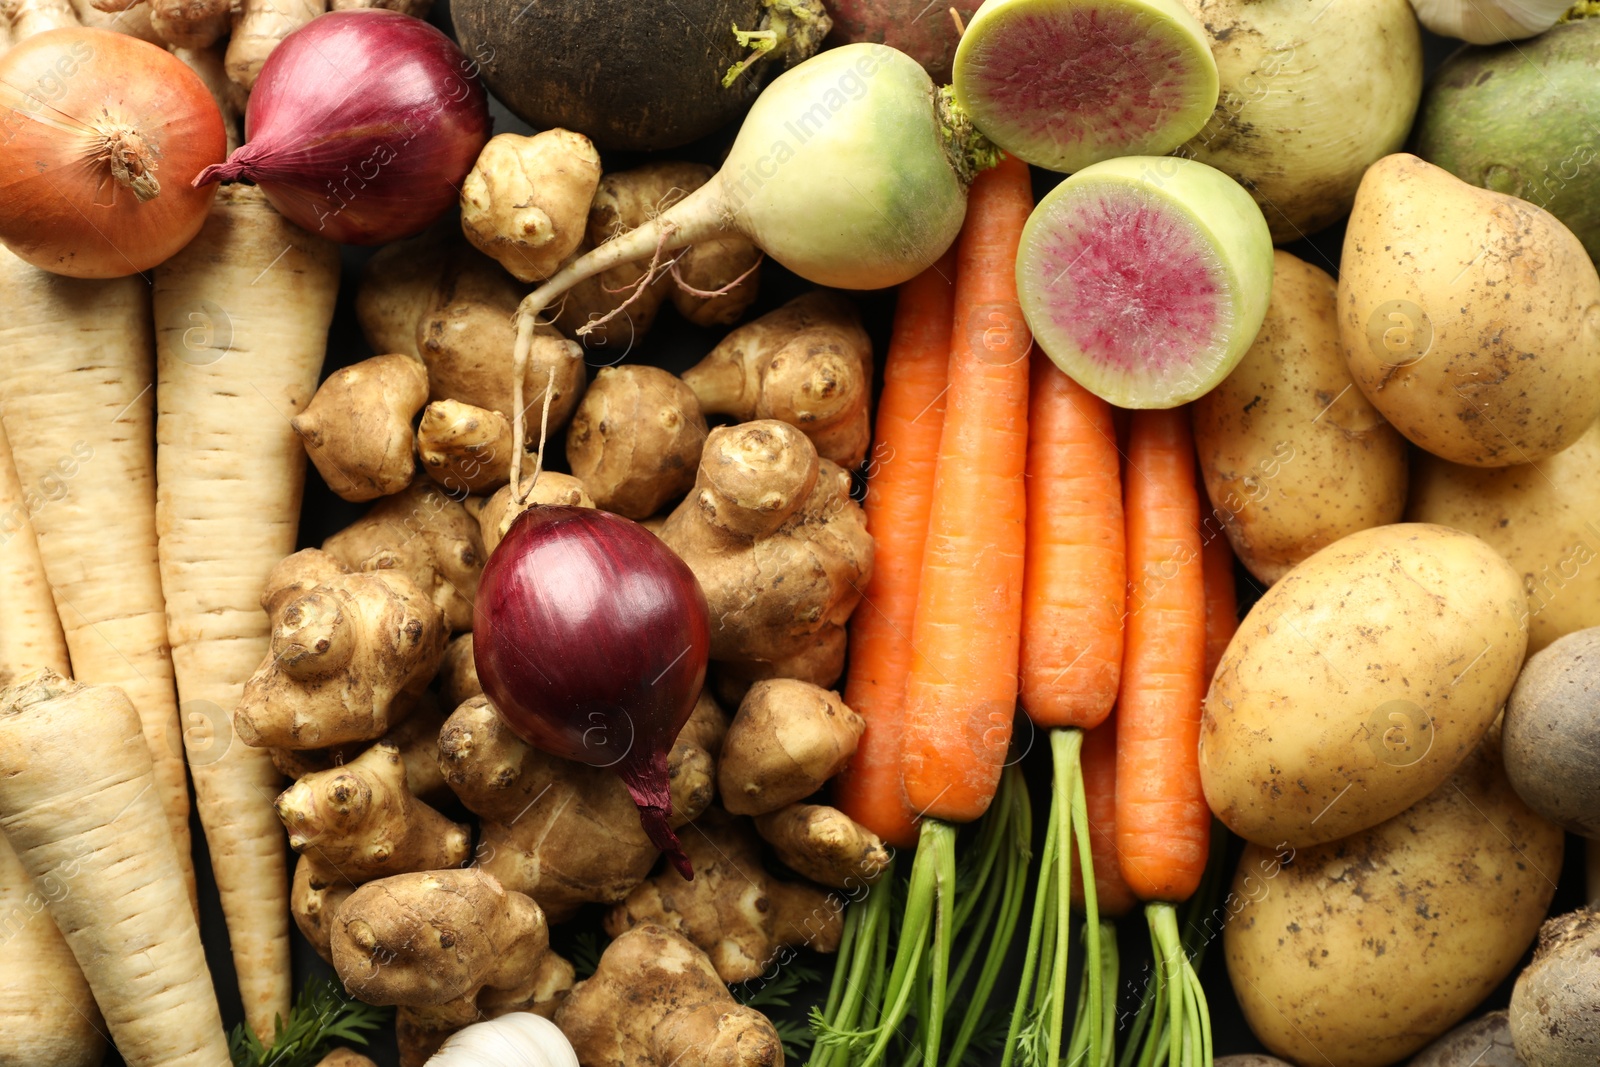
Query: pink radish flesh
[[1138, 292], [1078, 79]]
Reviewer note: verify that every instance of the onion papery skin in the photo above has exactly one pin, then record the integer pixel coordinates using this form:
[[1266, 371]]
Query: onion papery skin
[[362, 126], [61, 208], [591, 639]]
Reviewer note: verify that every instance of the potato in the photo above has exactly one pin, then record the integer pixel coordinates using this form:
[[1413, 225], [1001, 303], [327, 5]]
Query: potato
[[1552, 745], [1359, 682], [1294, 456], [1360, 951], [1483, 1042], [1469, 318], [1543, 517]]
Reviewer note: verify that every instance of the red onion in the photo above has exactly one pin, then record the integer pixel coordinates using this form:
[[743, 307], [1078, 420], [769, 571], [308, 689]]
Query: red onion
[[361, 126], [590, 637]]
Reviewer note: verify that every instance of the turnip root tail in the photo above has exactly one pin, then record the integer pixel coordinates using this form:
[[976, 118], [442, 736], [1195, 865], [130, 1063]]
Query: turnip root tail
[[695, 217], [78, 802]]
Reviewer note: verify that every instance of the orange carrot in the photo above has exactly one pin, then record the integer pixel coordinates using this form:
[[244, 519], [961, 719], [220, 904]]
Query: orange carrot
[[899, 495], [1222, 605], [1075, 576], [1098, 761], [962, 691], [1163, 824]]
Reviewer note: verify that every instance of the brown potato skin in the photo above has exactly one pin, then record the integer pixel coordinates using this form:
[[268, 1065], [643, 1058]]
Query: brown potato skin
[[1468, 317], [1294, 456], [1359, 952], [1544, 518]]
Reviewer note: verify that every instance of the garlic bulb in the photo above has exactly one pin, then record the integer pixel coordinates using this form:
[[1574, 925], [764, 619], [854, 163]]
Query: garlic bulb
[[1489, 21], [515, 1040]]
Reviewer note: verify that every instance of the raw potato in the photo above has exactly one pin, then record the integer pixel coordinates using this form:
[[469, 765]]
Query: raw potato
[[635, 439], [809, 364], [1360, 951], [1469, 318], [350, 655], [357, 428], [1552, 733], [824, 844], [1294, 456], [764, 503], [449, 947], [1483, 1042], [1359, 682], [1543, 517], [425, 535], [1555, 1006], [464, 448], [526, 200], [740, 915], [787, 739], [1307, 105], [656, 1001], [552, 488]]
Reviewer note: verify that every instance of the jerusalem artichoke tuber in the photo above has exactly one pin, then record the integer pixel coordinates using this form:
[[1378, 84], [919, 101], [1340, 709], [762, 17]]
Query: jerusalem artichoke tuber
[[464, 448], [635, 439], [787, 738], [458, 674], [824, 844], [357, 428], [717, 280], [526, 200], [258, 28], [551, 488]]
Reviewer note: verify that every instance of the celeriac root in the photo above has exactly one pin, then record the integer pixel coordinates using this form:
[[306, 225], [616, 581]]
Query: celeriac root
[[78, 803]]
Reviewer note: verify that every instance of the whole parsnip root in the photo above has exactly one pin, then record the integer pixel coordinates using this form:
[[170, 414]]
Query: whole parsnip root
[[552, 488], [47, 1014], [809, 364], [526, 200], [26, 18], [656, 1001], [466, 449], [787, 738], [734, 910], [78, 803], [206, 62], [764, 504], [635, 439], [230, 471], [349, 656], [261, 24], [190, 23], [78, 407], [426, 535], [543, 815], [449, 947], [824, 844], [357, 428], [361, 821]]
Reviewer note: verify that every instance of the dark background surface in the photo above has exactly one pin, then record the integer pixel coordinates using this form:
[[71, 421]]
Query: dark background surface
[[676, 345]]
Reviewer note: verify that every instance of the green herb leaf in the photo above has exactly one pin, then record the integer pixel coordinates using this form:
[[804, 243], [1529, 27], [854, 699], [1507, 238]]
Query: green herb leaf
[[779, 992], [322, 1015], [586, 951]]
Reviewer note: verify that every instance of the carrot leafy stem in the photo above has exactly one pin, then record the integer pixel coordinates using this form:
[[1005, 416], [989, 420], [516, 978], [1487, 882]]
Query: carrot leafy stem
[[322, 1015]]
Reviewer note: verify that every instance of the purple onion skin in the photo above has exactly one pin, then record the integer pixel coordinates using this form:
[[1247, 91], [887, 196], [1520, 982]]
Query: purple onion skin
[[362, 126], [591, 638]]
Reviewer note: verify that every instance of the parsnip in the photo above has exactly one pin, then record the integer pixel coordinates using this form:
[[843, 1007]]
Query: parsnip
[[242, 318], [47, 1014], [78, 804], [260, 26], [77, 404]]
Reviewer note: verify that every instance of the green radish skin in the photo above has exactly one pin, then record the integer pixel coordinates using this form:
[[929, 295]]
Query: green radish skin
[[1524, 119], [1146, 279], [848, 171], [1063, 84]]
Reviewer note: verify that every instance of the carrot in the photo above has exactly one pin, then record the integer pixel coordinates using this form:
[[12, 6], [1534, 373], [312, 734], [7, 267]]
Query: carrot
[[1099, 760], [899, 491], [47, 1014], [962, 690], [77, 405], [1074, 596], [1163, 825], [242, 318], [1222, 604], [77, 801]]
